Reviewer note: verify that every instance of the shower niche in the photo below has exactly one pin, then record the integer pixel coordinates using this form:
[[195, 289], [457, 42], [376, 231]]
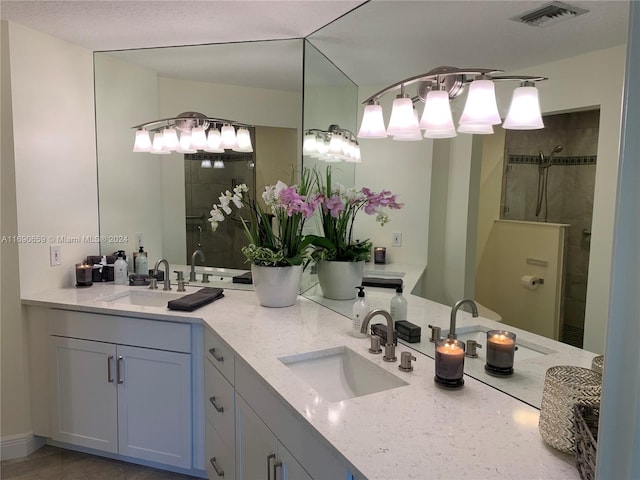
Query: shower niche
[[549, 176]]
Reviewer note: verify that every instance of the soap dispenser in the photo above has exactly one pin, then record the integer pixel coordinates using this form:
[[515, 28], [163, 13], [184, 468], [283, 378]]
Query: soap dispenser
[[398, 307], [360, 310], [120, 269], [141, 263]]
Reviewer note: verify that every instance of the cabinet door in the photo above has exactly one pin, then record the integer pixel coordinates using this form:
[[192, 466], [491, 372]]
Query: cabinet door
[[154, 405], [257, 445], [84, 396], [288, 467]]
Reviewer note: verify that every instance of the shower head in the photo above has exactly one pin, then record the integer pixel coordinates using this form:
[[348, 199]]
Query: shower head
[[557, 149]]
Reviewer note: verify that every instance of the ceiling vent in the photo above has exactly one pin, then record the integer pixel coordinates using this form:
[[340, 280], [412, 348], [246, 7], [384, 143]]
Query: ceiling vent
[[549, 14]]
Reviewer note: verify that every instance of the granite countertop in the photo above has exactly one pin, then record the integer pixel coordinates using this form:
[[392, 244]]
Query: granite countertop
[[411, 431]]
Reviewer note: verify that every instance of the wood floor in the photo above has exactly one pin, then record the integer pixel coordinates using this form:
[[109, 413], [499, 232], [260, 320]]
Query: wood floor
[[52, 463]]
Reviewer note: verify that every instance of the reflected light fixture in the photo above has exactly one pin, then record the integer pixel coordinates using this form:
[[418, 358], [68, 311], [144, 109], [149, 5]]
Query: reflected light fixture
[[435, 89], [197, 132], [332, 145]]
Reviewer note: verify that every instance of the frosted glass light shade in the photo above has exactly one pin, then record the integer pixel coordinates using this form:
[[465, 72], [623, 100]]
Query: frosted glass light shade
[[143, 141], [477, 129], [213, 141], [185, 143], [228, 135], [309, 144], [524, 112], [336, 145], [170, 139], [218, 164], [205, 163], [481, 106], [372, 125], [157, 145], [403, 121], [436, 120], [243, 140], [198, 138]]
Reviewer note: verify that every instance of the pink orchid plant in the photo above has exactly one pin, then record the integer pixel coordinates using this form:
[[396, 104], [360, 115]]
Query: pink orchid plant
[[339, 208], [275, 239]]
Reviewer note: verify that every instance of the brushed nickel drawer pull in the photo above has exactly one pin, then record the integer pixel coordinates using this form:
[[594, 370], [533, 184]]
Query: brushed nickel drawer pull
[[219, 472], [213, 402], [219, 358], [109, 372]]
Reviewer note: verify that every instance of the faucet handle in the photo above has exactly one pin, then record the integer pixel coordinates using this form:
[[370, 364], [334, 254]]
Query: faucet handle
[[153, 283], [375, 344], [405, 361], [205, 277], [179, 274], [435, 333], [470, 351], [181, 284]]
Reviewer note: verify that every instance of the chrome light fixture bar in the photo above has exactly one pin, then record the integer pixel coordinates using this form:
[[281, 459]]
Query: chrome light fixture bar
[[436, 88], [332, 145], [197, 132]]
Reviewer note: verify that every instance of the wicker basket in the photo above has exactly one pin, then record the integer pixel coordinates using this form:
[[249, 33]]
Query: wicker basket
[[565, 386], [597, 364], [586, 425]]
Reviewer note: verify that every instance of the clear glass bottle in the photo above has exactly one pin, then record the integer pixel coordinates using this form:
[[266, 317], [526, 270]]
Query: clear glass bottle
[[398, 307]]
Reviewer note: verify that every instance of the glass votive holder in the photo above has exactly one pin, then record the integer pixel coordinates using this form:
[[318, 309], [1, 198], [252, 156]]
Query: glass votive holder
[[84, 275], [379, 255], [501, 348], [449, 363]]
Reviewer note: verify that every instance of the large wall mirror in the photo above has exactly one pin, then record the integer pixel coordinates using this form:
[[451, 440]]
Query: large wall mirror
[[166, 199]]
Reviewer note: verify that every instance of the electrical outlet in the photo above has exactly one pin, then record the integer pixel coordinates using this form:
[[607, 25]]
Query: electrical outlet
[[396, 239], [55, 255], [139, 240]]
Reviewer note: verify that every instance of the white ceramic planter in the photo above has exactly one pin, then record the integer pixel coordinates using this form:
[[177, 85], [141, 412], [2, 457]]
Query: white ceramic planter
[[276, 286], [338, 280]]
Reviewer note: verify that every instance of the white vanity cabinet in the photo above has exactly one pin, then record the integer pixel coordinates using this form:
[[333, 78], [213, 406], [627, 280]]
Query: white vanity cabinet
[[122, 385], [220, 450], [261, 454]]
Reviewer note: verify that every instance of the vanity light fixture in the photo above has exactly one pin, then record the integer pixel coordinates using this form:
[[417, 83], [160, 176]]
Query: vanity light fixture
[[436, 88], [197, 132], [332, 145]]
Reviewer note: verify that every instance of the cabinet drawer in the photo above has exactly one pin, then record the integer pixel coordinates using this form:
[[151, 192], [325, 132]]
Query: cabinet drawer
[[219, 402], [156, 334], [220, 457], [219, 354]]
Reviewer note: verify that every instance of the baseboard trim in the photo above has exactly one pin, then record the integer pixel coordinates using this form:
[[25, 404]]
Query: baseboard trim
[[19, 445]]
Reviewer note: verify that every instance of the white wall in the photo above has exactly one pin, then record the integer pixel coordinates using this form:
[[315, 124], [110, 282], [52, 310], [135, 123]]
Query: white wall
[[619, 432], [55, 187]]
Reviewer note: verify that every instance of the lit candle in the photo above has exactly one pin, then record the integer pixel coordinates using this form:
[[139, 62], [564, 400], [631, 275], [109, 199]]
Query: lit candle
[[84, 274], [501, 347], [449, 362]]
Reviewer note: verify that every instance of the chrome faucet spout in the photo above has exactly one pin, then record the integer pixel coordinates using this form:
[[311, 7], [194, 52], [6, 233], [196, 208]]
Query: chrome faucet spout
[[167, 280], [192, 274], [454, 311], [389, 348]]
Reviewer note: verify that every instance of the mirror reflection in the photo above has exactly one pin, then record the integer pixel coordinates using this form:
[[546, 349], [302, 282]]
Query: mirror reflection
[[163, 201]]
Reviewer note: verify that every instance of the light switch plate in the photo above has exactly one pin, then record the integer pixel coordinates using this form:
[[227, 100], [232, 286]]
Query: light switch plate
[[55, 255], [396, 239]]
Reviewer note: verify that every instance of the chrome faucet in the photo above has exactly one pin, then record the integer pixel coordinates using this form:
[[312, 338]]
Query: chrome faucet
[[192, 274], [389, 348], [167, 280], [454, 311]]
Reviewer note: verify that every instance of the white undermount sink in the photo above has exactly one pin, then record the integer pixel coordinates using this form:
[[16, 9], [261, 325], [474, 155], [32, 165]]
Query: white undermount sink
[[340, 373], [525, 349], [144, 298]]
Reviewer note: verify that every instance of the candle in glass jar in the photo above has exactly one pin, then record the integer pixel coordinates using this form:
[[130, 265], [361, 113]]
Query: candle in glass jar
[[449, 359], [501, 347], [84, 275]]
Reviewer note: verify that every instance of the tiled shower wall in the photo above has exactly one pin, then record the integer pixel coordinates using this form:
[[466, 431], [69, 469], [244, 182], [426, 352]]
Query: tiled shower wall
[[570, 187], [203, 186]]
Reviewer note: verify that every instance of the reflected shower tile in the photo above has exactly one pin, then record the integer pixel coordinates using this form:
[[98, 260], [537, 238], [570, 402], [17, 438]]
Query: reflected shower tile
[[586, 179]]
